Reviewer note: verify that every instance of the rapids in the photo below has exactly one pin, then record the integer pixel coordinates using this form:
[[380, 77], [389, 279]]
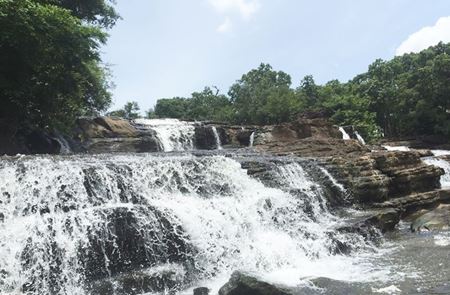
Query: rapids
[[136, 223]]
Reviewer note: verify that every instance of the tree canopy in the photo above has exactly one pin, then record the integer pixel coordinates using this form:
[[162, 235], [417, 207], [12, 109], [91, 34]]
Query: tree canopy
[[50, 65], [406, 96]]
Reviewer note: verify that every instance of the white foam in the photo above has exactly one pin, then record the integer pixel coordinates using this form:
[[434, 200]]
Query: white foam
[[399, 148]]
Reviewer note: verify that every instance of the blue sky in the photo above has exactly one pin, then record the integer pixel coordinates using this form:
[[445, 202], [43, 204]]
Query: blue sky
[[167, 48]]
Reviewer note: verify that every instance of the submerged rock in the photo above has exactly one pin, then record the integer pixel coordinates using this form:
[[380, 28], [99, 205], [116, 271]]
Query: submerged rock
[[435, 220], [243, 284]]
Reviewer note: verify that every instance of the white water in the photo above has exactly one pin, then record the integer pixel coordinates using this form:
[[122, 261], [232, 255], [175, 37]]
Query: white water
[[397, 148], [252, 139], [345, 135], [445, 179], [53, 208], [438, 153], [173, 134], [360, 138], [217, 137]]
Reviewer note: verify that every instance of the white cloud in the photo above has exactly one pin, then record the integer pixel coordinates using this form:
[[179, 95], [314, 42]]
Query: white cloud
[[225, 26], [246, 8], [426, 37]]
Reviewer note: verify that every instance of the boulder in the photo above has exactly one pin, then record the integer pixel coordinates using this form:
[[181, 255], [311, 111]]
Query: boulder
[[244, 284], [106, 127]]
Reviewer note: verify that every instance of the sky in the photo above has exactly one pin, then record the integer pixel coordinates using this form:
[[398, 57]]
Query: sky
[[168, 48]]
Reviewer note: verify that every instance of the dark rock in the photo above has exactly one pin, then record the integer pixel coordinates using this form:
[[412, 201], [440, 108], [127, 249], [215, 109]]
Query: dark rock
[[242, 284], [204, 138], [243, 137], [138, 282], [125, 245], [201, 291]]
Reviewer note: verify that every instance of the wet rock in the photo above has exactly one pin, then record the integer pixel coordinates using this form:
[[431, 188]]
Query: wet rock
[[168, 281], [370, 225], [204, 138], [201, 291], [381, 176], [414, 202], [124, 243], [434, 220], [243, 284]]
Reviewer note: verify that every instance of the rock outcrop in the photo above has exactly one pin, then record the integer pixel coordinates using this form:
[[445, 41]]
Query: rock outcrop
[[244, 284], [434, 220]]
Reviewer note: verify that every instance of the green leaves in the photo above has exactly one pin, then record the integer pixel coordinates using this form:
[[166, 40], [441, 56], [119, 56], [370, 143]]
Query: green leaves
[[50, 67]]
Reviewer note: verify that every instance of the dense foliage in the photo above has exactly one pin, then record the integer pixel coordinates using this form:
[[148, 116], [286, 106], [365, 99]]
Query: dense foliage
[[50, 67], [406, 96]]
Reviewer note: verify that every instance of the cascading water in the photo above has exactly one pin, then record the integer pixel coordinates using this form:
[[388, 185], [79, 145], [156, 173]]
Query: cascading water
[[217, 137], [345, 135], [252, 139], [360, 138], [445, 179], [173, 134], [102, 224]]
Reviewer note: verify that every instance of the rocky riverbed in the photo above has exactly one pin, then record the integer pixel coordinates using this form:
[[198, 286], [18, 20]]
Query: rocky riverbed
[[183, 207]]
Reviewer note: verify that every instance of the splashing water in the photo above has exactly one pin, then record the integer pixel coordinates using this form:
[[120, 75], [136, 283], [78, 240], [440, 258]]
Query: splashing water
[[73, 225], [445, 179], [217, 137], [173, 134], [345, 135]]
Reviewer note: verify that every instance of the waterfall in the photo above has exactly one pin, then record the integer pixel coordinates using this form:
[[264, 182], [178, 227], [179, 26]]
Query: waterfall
[[217, 137], [345, 135], [445, 179], [252, 139], [88, 224], [173, 134], [360, 138]]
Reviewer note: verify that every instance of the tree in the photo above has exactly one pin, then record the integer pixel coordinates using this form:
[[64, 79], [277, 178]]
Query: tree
[[129, 111], [208, 105], [97, 12], [171, 108], [50, 70], [251, 93]]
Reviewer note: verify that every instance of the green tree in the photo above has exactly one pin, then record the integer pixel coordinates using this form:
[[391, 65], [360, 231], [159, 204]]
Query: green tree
[[129, 111], [208, 105], [251, 93], [171, 108], [50, 70]]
